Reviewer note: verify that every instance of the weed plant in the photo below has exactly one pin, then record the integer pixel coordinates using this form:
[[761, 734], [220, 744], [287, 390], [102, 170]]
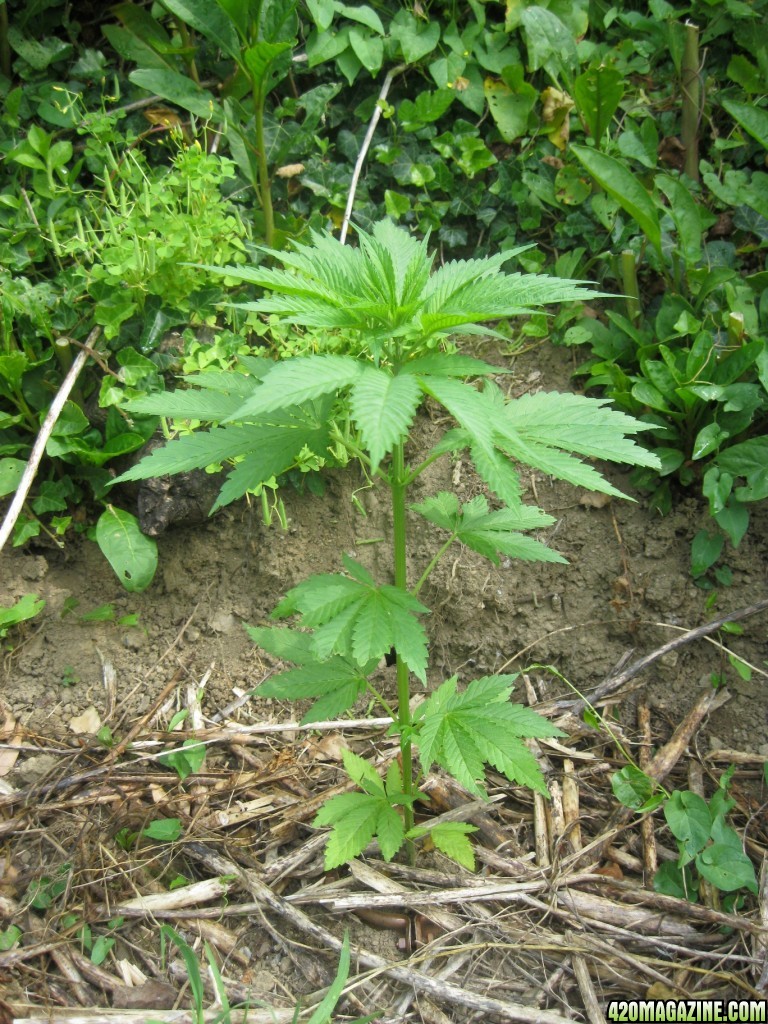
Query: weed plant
[[398, 318]]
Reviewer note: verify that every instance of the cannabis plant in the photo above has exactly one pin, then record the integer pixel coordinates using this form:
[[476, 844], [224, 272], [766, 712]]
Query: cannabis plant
[[395, 317]]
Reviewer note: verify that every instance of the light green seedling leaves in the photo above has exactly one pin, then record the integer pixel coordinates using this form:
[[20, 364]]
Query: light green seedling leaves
[[357, 817], [131, 554], [452, 839]]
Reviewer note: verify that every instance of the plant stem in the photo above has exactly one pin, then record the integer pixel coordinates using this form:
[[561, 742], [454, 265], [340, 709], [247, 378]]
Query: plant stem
[[689, 133], [398, 487], [265, 190], [432, 565], [630, 285]]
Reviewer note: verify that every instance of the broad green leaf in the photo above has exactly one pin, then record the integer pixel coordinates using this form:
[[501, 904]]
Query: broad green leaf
[[689, 820], [297, 380], [598, 92], [511, 102], [368, 48], [383, 408], [186, 761], [426, 108], [688, 217], [209, 20], [726, 868], [131, 554], [753, 119], [164, 830], [622, 185], [180, 90], [416, 38], [321, 12], [363, 15], [11, 472], [25, 608], [261, 61], [705, 551], [632, 787], [550, 44]]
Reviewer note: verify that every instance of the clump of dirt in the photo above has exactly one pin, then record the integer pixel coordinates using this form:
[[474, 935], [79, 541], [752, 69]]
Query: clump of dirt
[[627, 589]]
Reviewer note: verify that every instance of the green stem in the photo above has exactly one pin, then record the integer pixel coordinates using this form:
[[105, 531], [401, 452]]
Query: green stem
[[691, 113], [388, 709], [630, 285], [432, 565], [413, 473], [265, 189], [398, 484]]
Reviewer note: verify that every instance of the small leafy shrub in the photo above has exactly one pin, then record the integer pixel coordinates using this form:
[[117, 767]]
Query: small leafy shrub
[[399, 317]]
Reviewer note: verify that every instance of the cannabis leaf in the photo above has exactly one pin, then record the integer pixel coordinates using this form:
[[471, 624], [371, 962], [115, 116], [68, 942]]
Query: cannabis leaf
[[357, 817], [450, 838], [490, 532], [357, 619], [383, 406], [463, 731]]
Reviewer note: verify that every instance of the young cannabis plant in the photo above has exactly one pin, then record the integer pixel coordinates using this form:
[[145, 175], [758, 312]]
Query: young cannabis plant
[[396, 317]]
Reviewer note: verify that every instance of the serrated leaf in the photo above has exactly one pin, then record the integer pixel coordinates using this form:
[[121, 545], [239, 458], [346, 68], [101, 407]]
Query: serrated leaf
[[490, 532], [289, 644], [297, 380], [452, 839], [354, 817], [461, 731], [540, 429], [383, 408], [362, 773], [389, 831]]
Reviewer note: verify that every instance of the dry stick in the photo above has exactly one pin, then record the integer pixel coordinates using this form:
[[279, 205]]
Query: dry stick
[[365, 147], [438, 990], [42, 439], [650, 854], [614, 683], [586, 986]]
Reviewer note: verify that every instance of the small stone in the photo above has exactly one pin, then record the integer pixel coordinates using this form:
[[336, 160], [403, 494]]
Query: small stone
[[223, 622]]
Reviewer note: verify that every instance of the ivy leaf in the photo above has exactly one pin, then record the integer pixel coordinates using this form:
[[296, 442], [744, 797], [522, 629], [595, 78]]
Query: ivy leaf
[[383, 408]]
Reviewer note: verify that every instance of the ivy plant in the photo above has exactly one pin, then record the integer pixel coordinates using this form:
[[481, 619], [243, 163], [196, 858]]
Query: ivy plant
[[396, 317]]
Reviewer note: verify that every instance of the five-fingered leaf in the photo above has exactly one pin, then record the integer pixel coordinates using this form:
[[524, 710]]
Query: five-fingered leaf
[[357, 619], [490, 532], [462, 731], [357, 817]]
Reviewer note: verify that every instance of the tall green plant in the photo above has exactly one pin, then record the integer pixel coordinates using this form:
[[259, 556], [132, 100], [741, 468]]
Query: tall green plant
[[397, 317]]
